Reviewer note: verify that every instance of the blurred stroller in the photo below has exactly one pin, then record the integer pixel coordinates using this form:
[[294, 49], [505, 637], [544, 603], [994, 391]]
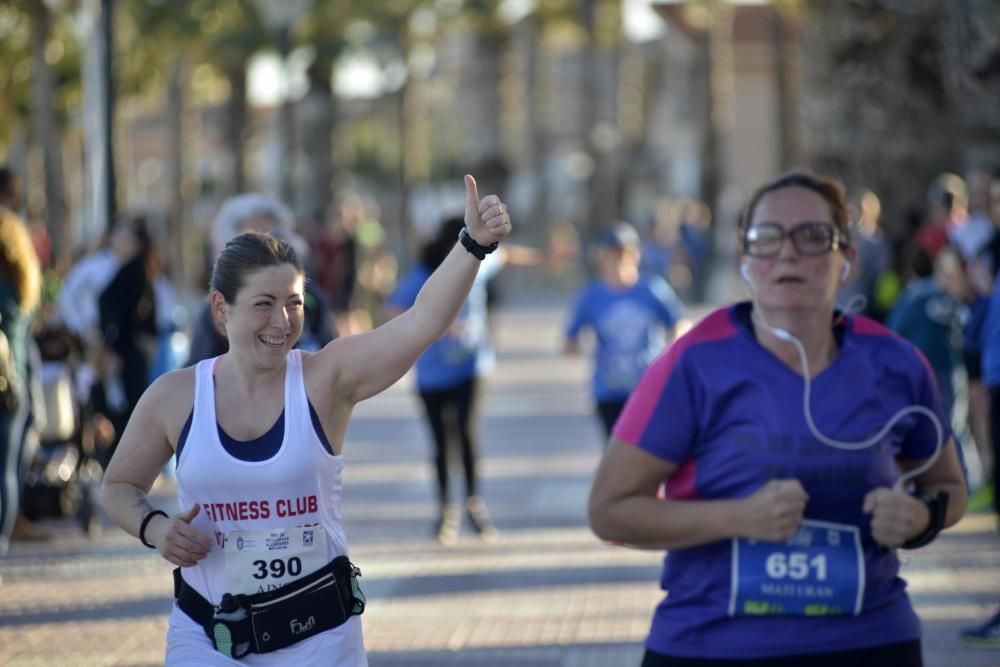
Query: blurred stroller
[[64, 476]]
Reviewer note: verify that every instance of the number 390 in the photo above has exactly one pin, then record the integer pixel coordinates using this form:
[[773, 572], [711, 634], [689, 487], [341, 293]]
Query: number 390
[[277, 568]]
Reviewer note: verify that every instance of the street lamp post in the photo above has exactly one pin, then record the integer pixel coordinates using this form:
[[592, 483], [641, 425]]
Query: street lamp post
[[280, 17]]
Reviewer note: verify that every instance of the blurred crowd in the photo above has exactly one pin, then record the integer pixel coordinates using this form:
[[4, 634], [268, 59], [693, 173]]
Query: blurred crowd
[[83, 341], [932, 281]]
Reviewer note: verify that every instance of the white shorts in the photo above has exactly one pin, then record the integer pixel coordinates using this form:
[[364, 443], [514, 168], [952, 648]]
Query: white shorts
[[189, 646]]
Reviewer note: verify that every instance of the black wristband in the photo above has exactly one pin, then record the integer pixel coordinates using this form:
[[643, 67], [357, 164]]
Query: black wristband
[[937, 508], [478, 251], [145, 522]]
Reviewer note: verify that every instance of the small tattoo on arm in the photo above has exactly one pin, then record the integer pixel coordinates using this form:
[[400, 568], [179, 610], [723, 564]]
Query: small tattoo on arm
[[142, 504]]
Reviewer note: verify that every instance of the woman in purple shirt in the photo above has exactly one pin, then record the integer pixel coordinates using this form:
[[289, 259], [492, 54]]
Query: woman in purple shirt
[[782, 515]]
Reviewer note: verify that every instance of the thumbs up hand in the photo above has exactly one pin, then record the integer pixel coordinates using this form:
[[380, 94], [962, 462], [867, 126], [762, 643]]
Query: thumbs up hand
[[178, 541], [486, 219]]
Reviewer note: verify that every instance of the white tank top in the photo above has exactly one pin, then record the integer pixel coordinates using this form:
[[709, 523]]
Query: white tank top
[[299, 486]]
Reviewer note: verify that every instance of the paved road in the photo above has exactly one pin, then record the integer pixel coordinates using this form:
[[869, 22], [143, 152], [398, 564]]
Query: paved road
[[546, 595]]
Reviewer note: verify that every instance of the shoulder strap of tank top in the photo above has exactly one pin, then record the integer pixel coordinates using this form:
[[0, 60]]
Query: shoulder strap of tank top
[[204, 392], [295, 383]]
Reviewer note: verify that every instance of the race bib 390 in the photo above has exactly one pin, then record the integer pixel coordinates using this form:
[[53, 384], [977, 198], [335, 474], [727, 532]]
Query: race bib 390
[[258, 561]]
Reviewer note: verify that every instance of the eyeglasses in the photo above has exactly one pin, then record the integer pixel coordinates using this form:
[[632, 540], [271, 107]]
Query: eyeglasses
[[810, 238]]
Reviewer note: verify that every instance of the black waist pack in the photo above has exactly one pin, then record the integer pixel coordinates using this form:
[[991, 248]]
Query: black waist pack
[[265, 622]]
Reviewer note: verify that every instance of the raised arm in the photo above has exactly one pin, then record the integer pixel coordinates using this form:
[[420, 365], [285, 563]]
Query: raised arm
[[363, 365]]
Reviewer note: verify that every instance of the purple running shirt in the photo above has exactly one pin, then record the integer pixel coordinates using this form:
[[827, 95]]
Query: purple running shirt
[[728, 413]]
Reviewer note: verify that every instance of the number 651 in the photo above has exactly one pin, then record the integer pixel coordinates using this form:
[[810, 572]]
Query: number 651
[[795, 565]]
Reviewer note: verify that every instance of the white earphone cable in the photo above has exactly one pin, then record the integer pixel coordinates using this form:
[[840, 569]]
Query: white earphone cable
[[783, 334]]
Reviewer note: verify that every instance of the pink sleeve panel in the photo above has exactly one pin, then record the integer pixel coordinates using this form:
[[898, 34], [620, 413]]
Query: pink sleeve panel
[[646, 396], [868, 327], [681, 485]]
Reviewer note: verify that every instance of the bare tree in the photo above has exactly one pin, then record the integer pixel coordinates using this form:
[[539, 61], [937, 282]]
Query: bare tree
[[875, 110], [46, 132]]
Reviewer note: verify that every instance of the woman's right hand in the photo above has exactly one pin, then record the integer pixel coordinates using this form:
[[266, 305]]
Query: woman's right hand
[[773, 512], [486, 219], [178, 541]]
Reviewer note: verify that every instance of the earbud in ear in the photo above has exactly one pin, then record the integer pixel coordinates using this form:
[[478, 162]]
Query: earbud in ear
[[745, 272], [782, 334], [845, 271]]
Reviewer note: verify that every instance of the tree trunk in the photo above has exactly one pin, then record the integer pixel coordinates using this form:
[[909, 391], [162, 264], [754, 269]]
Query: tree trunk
[[405, 238], [483, 74], [716, 57], [718, 53], [286, 125], [236, 112], [875, 110], [47, 133], [317, 139], [971, 68], [785, 102], [536, 90], [176, 96], [599, 81]]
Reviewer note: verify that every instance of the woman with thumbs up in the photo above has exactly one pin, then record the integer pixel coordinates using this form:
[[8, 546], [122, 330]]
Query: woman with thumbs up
[[262, 424]]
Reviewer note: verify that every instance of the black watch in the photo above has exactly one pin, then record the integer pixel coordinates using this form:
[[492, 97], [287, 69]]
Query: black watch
[[937, 507], [478, 251]]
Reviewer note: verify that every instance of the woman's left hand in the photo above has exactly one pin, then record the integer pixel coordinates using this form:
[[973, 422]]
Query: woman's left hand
[[896, 516], [486, 219]]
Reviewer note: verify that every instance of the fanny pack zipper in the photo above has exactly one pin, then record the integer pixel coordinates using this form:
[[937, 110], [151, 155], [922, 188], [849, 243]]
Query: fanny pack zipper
[[319, 583]]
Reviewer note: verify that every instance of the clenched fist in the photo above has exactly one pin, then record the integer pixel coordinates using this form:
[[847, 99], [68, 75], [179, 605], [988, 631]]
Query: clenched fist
[[773, 512], [896, 516]]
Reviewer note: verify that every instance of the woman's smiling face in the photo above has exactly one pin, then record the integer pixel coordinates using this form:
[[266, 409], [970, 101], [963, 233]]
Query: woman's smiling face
[[267, 318]]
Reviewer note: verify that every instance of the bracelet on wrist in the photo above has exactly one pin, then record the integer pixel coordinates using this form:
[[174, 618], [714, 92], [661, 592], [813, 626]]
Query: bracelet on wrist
[[937, 510], [477, 250], [145, 523]]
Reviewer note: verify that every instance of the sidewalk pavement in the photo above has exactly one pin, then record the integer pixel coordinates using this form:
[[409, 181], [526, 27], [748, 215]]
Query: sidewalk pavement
[[548, 594]]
